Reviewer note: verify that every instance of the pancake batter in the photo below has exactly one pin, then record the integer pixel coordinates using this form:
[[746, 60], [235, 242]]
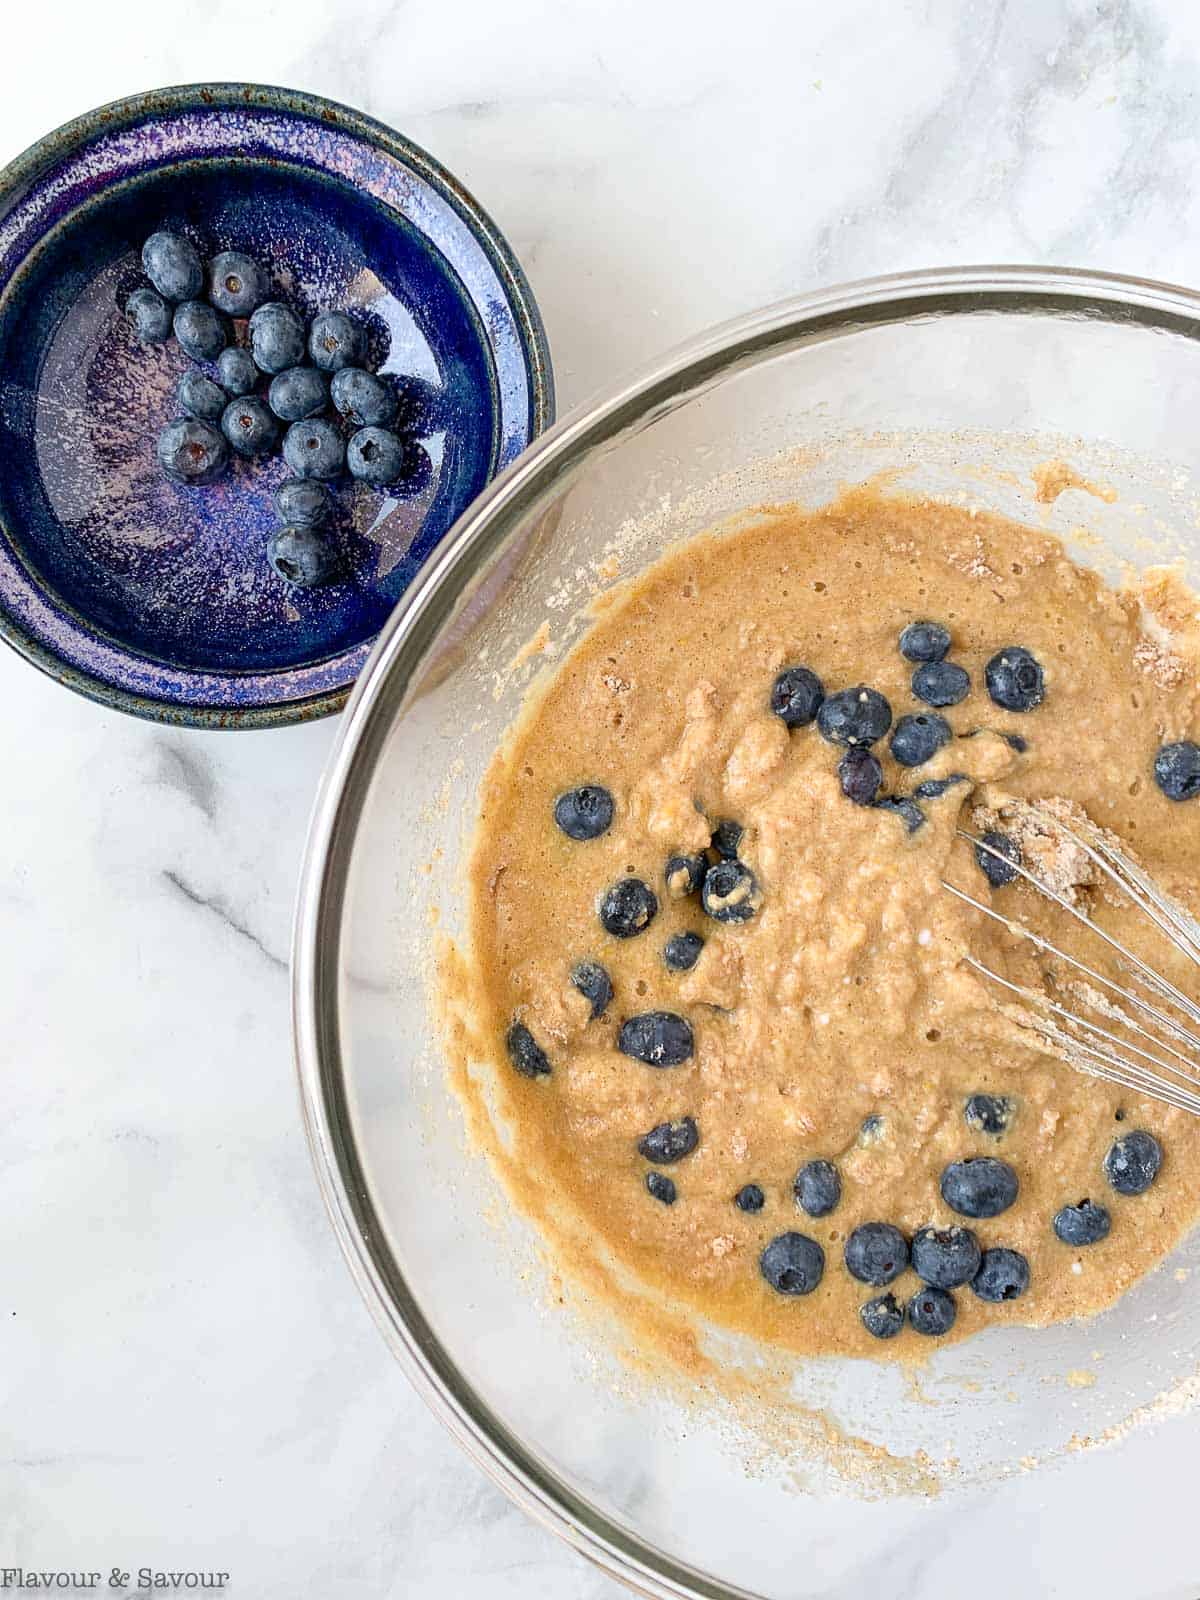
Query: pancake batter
[[723, 985]]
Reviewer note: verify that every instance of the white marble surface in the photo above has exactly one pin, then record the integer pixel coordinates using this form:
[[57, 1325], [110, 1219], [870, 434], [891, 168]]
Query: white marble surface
[[188, 1376]]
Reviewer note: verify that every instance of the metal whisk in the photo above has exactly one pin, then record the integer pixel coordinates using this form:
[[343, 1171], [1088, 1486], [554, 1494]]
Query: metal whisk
[[1157, 1053]]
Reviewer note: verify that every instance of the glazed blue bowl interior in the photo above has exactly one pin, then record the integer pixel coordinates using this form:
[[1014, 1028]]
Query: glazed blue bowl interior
[[158, 597]]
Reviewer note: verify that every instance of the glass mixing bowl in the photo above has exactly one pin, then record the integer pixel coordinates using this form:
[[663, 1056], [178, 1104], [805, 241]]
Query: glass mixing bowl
[[958, 383]]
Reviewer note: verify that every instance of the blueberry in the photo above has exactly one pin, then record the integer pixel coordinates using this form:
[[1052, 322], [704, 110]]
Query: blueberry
[[249, 426], [932, 1312], [374, 455], [201, 397], [303, 502], [298, 393], [525, 1053], [314, 449], [875, 1253], [918, 736], [1085, 1223], [860, 776], [594, 984], [980, 1186], [584, 813], [173, 266], [1132, 1164], [924, 641], [669, 1141], [945, 1257], [854, 716], [684, 875], [904, 807], [792, 1263], [730, 892], [941, 683], [628, 908], [727, 838], [1003, 1275], [659, 1038], [276, 337], [682, 951], [796, 696], [300, 555], [1015, 680], [1177, 770], [236, 283], [817, 1188], [334, 341], [998, 869], [935, 788], [149, 314], [191, 451], [989, 1113], [303, 557], [236, 371], [362, 398], [750, 1198], [872, 1129], [202, 332], [882, 1317], [661, 1187]]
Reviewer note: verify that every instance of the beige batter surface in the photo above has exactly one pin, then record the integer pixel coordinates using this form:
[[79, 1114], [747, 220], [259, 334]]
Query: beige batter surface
[[841, 1022]]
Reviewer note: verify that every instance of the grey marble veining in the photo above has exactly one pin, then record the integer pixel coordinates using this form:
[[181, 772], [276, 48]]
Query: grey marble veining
[[188, 1375]]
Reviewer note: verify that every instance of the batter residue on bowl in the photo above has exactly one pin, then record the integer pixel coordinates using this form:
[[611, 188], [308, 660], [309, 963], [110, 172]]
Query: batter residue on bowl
[[733, 1026]]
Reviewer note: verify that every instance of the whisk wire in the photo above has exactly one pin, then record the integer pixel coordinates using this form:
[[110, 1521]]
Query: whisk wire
[[1093, 1056], [1170, 919], [1161, 986], [1081, 1040], [1130, 996], [1076, 1021]]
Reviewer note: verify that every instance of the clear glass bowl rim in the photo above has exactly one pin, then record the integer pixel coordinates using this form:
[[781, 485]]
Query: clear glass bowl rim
[[413, 628]]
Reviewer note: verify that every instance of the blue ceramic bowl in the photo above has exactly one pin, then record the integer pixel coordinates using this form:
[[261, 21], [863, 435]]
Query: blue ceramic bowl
[[157, 599]]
